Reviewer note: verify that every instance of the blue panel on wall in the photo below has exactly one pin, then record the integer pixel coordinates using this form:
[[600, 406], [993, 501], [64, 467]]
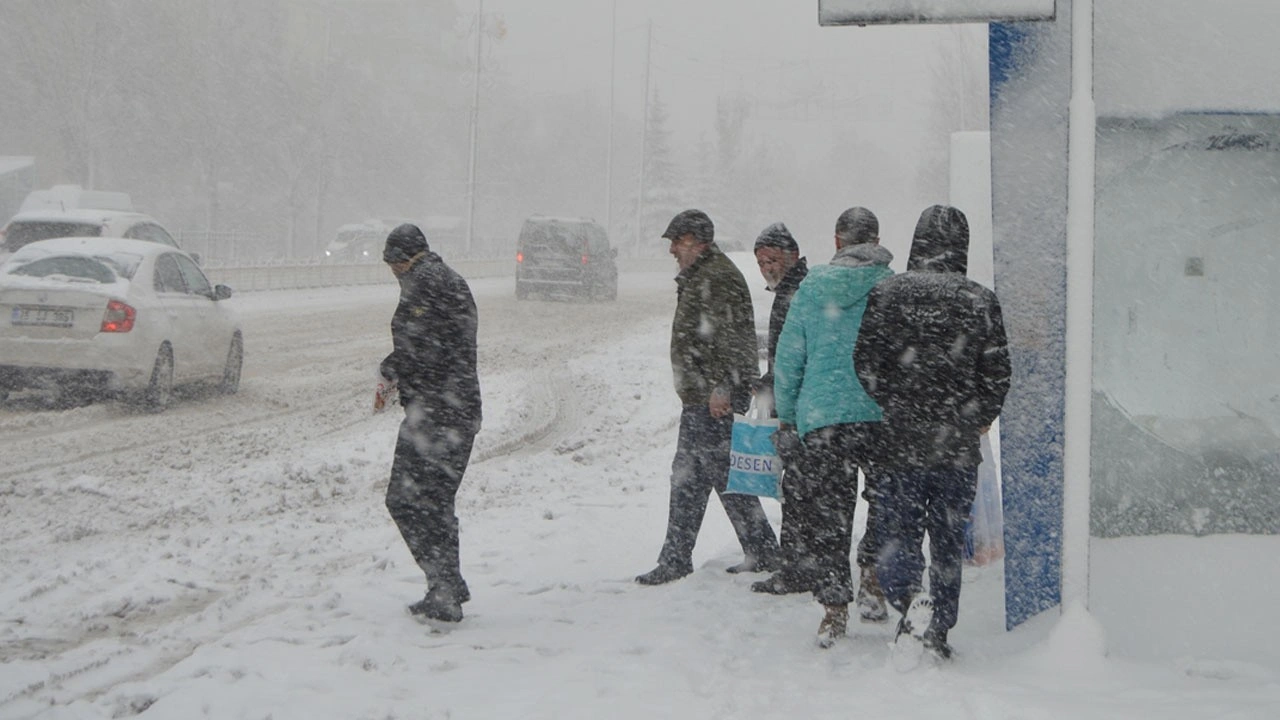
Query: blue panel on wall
[[1030, 87]]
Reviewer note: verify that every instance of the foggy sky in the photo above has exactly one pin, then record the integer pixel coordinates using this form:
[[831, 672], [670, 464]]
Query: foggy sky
[[810, 88]]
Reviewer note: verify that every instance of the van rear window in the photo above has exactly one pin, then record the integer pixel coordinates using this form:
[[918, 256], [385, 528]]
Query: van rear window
[[19, 234]]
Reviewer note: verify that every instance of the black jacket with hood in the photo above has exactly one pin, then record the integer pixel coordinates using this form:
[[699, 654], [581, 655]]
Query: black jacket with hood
[[782, 295], [932, 351], [433, 333]]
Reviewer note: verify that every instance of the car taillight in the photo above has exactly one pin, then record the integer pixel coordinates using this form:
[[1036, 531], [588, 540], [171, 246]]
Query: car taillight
[[119, 317], [586, 260], [519, 257]]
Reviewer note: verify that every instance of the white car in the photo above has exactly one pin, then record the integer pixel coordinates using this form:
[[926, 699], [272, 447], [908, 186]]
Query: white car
[[114, 318], [43, 224]]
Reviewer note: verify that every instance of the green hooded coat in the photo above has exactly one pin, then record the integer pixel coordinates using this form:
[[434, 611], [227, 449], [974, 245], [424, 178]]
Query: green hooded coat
[[814, 382]]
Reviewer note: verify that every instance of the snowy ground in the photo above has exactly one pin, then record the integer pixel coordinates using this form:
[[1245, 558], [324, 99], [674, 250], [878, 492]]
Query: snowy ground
[[232, 558]]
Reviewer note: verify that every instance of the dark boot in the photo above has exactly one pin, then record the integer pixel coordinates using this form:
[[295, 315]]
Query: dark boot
[[935, 642], [662, 574], [442, 604], [870, 601], [753, 564], [833, 626], [780, 583]]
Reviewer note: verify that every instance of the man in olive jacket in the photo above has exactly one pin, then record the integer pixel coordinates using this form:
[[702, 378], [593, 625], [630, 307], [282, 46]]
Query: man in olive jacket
[[433, 365], [713, 360]]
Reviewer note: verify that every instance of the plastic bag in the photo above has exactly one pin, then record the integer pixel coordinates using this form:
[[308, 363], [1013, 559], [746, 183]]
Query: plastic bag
[[754, 466]]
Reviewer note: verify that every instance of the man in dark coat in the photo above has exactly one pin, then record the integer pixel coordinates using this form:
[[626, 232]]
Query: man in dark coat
[[933, 354], [778, 256], [433, 367], [713, 361]]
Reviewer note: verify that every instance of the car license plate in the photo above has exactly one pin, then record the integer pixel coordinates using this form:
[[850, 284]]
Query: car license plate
[[44, 316]]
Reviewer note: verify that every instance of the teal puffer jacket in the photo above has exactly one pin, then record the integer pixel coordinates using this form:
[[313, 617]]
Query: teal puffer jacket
[[814, 382]]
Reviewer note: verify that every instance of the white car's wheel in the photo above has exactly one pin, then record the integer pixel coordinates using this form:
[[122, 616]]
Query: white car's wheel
[[235, 362], [159, 392]]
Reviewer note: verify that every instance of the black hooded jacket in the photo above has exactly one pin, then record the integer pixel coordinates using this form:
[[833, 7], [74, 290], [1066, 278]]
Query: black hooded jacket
[[782, 295], [433, 333], [932, 351]]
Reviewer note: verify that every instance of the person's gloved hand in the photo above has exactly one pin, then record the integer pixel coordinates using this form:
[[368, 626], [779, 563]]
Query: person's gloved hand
[[384, 395], [787, 442]]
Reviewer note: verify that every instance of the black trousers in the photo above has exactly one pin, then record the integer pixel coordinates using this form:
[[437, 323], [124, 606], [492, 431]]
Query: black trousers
[[823, 502], [425, 475], [799, 568], [873, 533], [914, 501], [701, 464]]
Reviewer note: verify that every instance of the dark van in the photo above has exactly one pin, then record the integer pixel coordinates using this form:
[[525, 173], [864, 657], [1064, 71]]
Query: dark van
[[561, 256]]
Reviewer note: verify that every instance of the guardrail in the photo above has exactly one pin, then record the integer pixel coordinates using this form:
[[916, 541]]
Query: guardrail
[[288, 277], [283, 276]]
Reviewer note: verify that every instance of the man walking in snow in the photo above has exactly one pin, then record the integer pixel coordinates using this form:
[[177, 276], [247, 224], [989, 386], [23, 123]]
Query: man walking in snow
[[433, 367], [933, 353], [825, 417], [778, 256], [713, 360]]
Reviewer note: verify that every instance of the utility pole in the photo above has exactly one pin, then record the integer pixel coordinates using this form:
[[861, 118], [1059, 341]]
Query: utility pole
[[608, 163], [475, 122], [644, 131]]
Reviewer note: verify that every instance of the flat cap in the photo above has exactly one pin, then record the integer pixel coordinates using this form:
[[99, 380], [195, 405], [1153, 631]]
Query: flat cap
[[691, 222]]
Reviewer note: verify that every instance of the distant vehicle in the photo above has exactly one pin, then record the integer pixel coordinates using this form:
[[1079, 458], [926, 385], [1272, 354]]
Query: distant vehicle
[[61, 198], [28, 227], [43, 223], [358, 242], [558, 256], [114, 318]]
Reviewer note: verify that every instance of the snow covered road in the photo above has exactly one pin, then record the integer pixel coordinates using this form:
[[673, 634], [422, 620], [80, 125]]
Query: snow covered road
[[232, 558]]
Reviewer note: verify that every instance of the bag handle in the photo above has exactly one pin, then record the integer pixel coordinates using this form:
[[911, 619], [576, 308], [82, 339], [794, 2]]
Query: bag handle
[[761, 406]]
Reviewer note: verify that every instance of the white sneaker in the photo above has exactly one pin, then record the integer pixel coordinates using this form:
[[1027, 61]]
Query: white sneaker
[[919, 615], [908, 645]]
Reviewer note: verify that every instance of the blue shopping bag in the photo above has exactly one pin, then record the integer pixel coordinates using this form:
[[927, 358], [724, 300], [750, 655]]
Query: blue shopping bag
[[754, 467]]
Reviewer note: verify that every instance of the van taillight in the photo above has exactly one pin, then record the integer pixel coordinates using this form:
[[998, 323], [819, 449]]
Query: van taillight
[[119, 317], [519, 257]]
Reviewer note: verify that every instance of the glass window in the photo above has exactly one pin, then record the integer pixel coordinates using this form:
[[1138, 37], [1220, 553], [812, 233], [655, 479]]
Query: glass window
[[68, 266], [152, 233], [21, 233], [1186, 422], [168, 277], [197, 283]]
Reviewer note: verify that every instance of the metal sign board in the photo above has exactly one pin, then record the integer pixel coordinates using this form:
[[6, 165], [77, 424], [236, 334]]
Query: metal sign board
[[888, 12]]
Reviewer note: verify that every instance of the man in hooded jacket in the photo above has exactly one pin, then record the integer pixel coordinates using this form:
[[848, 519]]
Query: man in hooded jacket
[[433, 367], [933, 354], [820, 400], [778, 256], [713, 362]]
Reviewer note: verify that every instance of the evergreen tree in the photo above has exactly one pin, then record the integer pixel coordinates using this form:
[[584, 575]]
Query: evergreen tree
[[661, 196]]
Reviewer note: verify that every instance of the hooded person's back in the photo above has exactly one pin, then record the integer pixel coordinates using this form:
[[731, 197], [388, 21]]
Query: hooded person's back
[[814, 381], [932, 350]]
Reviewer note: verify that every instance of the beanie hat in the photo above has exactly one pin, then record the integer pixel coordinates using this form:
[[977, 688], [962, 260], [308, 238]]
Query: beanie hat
[[691, 222], [403, 243], [777, 236], [857, 225]]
